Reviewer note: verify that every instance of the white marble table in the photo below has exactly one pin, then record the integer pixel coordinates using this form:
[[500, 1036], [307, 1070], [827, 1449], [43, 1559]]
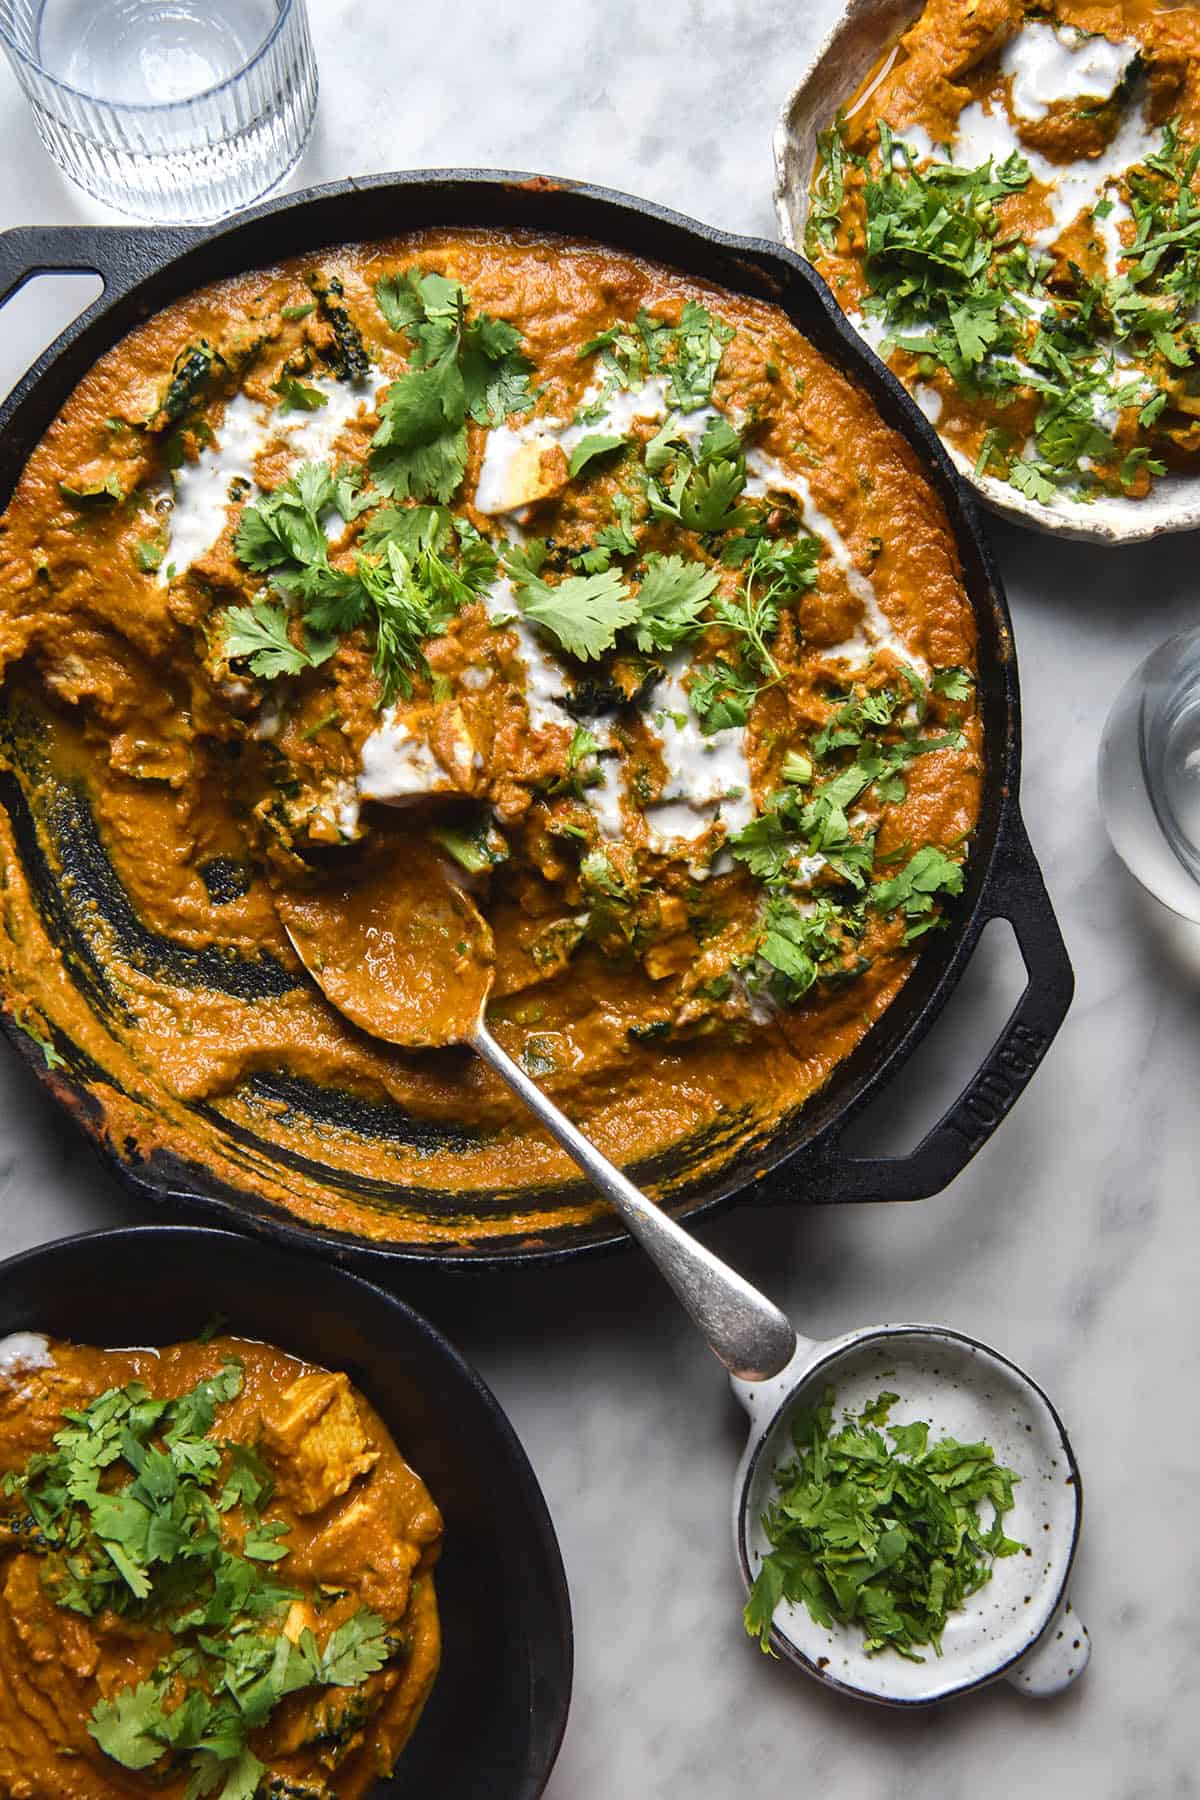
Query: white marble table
[[1072, 1241]]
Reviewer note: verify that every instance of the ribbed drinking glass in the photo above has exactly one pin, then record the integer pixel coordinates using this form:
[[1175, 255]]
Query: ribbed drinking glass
[[1150, 774], [167, 109]]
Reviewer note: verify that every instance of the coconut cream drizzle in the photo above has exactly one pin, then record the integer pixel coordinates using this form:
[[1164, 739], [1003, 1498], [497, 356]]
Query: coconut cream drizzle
[[512, 453], [1049, 64], [766, 475], [1045, 64], [201, 489], [707, 778], [22, 1352]]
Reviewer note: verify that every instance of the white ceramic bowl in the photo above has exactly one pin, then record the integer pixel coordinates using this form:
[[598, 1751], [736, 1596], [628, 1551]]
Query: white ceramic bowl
[[843, 61], [1020, 1625]]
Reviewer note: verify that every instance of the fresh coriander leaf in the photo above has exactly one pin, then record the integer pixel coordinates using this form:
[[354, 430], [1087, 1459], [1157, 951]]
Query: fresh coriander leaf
[[588, 449], [461, 366], [584, 612], [953, 683], [890, 1538], [721, 696], [1031, 480], [929, 874], [410, 298], [800, 944], [671, 600], [411, 528], [129, 1727], [148, 554], [102, 491], [420, 448], [249, 1482], [765, 846], [355, 1650], [242, 1779], [259, 633], [261, 1542], [700, 343], [619, 536], [295, 396]]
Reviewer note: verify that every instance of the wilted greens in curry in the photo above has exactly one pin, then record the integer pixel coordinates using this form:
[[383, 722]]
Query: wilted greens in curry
[[1011, 213], [599, 577], [887, 1536], [214, 1577]]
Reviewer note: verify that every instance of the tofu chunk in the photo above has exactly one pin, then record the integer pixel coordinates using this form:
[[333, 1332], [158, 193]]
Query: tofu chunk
[[315, 1436]]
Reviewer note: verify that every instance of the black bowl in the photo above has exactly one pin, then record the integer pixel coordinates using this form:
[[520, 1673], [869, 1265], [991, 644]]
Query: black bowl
[[495, 1719]]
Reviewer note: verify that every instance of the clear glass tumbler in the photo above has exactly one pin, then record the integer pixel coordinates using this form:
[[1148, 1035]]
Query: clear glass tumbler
[[167, 109], [1150, 774]]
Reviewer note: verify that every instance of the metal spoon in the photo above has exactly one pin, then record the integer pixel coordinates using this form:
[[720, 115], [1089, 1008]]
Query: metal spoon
[[402, 952]]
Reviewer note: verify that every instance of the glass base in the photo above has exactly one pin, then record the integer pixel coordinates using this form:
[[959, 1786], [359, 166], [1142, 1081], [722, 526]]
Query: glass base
[[187, 187], [1149, 774]]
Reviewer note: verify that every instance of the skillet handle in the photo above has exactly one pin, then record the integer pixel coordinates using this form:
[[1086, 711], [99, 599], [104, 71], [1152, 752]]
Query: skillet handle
[[122, 255], [1016, 893]]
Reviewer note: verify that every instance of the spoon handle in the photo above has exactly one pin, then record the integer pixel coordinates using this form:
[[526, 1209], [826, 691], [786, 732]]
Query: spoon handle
[[741, 1326]]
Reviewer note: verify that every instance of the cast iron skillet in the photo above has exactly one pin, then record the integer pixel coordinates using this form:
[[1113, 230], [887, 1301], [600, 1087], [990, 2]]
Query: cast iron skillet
[[496, 1716], [799, 1158]]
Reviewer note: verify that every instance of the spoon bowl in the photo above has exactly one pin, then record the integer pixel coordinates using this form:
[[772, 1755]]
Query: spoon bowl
[[401, 951], [1020, 1624]]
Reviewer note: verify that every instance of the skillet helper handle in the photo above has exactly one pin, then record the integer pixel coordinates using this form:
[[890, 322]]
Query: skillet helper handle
[[122, 255], [1018, 894]]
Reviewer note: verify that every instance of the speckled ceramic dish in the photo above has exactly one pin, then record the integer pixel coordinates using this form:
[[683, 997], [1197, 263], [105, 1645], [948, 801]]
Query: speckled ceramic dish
[[1020, 1625], [865, 31]]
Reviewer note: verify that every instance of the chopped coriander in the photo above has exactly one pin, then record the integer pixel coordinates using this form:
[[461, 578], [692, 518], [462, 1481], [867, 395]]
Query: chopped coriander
[[887, 1536], [914, 889], [702, 492], [953, 683], [964, 296], [148, 554], [129, 1506], [721, 695], [798, 945], [102, 490], [406, 588], [700, 342]]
